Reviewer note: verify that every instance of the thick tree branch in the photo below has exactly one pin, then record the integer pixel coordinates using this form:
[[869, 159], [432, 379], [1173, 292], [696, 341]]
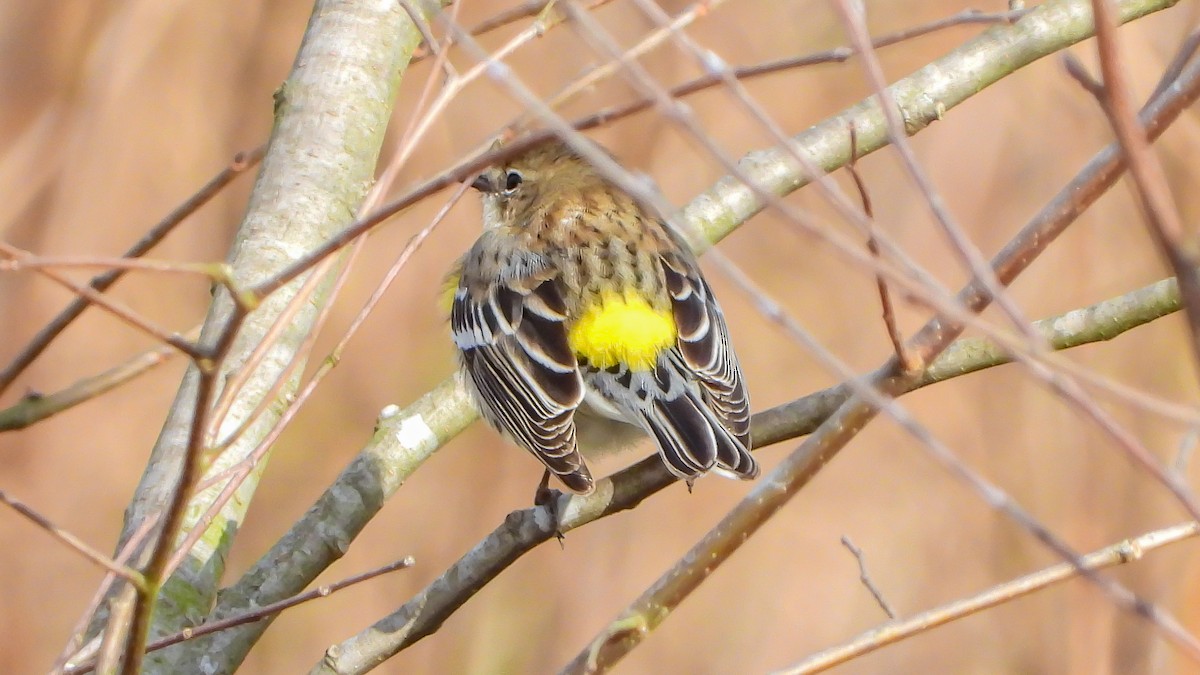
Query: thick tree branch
[[331, 115]]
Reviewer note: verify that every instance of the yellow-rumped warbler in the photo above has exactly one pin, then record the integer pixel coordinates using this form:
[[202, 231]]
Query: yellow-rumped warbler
[[584, 323]]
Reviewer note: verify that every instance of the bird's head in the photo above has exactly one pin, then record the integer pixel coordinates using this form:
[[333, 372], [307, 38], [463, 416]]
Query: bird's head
[[536, 178]]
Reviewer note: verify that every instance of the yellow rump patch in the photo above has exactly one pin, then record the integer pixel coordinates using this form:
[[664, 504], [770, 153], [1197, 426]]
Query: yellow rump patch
[[445, 299], [622, 328]]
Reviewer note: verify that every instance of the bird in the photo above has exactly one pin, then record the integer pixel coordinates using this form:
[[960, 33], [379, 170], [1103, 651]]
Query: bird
[[583, 323]]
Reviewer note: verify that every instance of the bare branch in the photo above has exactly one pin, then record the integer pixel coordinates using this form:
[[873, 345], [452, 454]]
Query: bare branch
[[1120, 553], [1177, 244], [35, 407], [241, 162], [72, 542], [865, 578]]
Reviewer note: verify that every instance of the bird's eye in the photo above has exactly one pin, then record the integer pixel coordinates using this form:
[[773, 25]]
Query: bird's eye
[[512, 180]]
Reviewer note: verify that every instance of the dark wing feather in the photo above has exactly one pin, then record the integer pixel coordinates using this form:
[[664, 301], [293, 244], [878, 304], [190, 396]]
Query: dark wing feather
[[705, 350], [514, 348]]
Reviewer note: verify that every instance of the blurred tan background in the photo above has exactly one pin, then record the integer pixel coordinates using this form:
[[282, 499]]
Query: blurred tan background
[[112, 112]]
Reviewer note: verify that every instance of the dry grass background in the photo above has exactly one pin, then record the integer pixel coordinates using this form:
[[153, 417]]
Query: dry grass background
[[112, 112]]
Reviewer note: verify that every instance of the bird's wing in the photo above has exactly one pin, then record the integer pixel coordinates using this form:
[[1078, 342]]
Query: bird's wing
[[513, 342], [703, 344]]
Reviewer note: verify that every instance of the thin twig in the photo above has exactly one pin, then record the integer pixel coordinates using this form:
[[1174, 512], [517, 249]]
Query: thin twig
[[865, 577], [233, 388], [431, 43], [885, 296], [176, 507], [71, 649], [267, 611], [215, 272], [101, 283], [1120, 553], [33, 408], [1179, 246], [853, 16], [116, 633], [504, 17], [116, 309], [1080, 74], [1102, 321], [73, 542], [1186, 51], [1187, 448]]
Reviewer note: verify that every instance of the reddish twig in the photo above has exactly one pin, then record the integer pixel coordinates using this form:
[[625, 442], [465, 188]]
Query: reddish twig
[[73, 542], [116, 309], [885, 296], [1178, 245], [176, 507], [69, 650], [264, 612], [101, 283]]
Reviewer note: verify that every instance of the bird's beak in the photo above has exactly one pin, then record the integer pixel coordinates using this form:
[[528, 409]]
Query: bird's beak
[[483, 183]]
